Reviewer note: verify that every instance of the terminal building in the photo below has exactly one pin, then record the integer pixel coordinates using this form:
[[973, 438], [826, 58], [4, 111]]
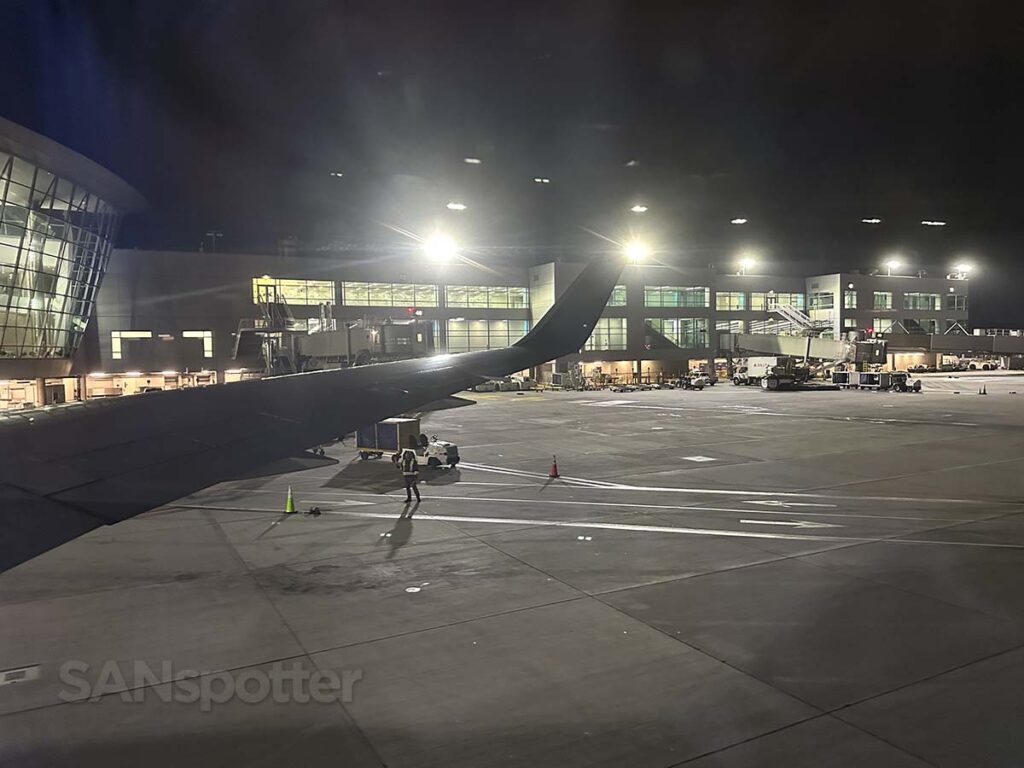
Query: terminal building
[[59, 214], [80, 319], [167, 319]]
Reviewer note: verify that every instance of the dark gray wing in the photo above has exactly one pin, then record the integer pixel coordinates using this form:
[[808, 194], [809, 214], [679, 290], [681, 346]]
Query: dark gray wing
[[68, 469]]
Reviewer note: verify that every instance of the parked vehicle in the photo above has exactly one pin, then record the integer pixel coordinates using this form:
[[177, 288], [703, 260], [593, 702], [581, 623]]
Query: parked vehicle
[[394, 435]]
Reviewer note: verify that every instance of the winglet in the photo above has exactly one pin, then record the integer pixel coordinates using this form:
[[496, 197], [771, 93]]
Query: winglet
[[565, 327]]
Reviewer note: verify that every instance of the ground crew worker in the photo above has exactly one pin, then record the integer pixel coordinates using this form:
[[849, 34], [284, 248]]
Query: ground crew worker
[[410, 473]]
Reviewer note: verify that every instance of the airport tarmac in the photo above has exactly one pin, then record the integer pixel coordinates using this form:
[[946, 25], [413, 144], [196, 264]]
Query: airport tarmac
[[719, 578]]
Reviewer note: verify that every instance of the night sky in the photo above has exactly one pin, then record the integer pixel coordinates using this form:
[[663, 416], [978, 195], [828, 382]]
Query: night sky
[[803, 118]]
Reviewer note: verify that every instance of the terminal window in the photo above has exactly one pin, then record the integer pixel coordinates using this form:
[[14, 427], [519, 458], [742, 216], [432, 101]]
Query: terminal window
[[618, 297], [822, 300], [927, 301], [487, 296], [956, 303], [883, 300], [609, 333], [474, 335], [389, 295], [730, 300], [761, 301], [206, 336], [296, 292], [883, 324], [849, 299], [685, 332], [695, 296], [117, 336], [731, 326]]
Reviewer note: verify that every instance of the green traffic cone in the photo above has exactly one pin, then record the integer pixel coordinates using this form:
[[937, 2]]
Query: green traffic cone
[[289, 504]]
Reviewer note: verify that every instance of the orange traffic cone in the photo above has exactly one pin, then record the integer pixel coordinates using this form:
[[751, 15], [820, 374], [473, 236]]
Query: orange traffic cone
[[554, 467]]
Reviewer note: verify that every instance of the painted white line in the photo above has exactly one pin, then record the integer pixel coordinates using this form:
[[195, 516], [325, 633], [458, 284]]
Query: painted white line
[[786, 504], [673, 507], [669, 529], [792, 523], [567, 480], [698, 458]]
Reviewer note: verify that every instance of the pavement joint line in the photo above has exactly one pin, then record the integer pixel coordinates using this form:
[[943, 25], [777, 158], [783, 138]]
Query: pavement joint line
[[929, 472], [147, 686], [795, 724], [890, 585], [738, 492], [458, 622], [298, 642]]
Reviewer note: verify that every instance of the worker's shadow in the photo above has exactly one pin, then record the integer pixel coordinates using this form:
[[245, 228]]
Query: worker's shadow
[[401, 533], [373, 476]]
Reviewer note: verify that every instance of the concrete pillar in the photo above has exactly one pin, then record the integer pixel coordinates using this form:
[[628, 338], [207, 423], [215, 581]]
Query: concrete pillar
[[40, 392]]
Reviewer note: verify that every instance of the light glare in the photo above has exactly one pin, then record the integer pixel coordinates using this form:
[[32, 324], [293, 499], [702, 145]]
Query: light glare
[[639, 209], [440, 247], [738, 221], [455, 206], [637, 251]]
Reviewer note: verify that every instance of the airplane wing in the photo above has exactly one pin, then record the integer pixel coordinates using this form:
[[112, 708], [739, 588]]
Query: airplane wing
[[68, 469]]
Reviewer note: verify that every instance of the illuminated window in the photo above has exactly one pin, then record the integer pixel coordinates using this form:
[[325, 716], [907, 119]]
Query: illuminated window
[[685, 332], [487, 296], [473, 335], [609, 333], [206, 336], [54, 244], [849, 299], [883, 324], [676, 296], [618, 297], [883, 300], [926, 301], [822, 300], [762, 301], [730, 300], [117, 336], [388, 295], [850, 323], [731, 326], [296, 292]]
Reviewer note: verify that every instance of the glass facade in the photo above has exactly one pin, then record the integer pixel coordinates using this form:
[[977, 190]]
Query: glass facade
[[822, 300], [473, 335], [609, 333], [206, 336], [487, 296], [676, 296], [54, 245], [927, 301], [618, 297], [761, 301], [883, 300], [389, 295], [849, 299], [295, 292], [685, 332], [730, 300], [956, 303]]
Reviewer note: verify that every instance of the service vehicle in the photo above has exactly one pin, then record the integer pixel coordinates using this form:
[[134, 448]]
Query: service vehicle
[[392, 436]]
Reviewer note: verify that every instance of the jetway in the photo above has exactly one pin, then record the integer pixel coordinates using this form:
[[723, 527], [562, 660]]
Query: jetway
[[808, 347]]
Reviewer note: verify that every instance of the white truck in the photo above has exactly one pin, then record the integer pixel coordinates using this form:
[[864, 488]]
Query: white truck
[[752, 370]]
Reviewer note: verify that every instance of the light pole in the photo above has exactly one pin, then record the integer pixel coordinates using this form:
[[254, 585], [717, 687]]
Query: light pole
[[892, 264], [214, 236]]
